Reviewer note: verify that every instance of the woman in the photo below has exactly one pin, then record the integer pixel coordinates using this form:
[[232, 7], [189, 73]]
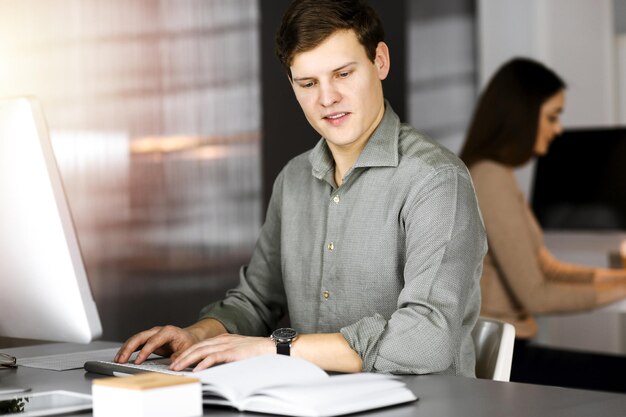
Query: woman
[[517, 118]]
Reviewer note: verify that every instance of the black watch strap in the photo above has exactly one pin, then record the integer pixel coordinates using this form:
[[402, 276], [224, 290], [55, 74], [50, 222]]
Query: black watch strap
[[283, 348], [283, 338]]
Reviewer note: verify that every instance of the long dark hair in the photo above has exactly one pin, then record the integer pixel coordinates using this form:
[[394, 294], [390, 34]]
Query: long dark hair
[[505, 123]]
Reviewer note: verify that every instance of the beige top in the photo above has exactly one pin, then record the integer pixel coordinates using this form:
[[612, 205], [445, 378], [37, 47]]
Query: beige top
[[520, 277]]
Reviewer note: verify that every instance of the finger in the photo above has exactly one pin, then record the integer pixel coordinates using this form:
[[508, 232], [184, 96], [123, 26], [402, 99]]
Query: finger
[[185, 358], [195, 354], [198, 346], [133, 344], [171, 336], [209, 361], [151, 346]]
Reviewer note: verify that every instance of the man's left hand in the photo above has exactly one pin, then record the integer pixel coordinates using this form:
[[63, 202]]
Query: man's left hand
[[221, 349]]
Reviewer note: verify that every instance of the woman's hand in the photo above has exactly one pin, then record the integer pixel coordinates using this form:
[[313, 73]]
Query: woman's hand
[[610, 276]]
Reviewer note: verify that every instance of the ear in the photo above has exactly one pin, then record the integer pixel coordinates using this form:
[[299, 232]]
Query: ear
[[382, 60]]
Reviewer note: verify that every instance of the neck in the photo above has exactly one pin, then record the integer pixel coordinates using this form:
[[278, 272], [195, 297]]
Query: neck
[[344, 160], [345, 156]]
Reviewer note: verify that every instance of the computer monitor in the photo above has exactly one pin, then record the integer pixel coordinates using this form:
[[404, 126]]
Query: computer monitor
[[44, 291], [581, 183]]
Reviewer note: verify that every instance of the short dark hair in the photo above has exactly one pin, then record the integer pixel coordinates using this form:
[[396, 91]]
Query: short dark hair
[[505, 123], [307, 23]]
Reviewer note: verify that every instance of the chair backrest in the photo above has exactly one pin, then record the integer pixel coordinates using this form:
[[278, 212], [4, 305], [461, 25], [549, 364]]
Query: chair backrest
[[493, 344]]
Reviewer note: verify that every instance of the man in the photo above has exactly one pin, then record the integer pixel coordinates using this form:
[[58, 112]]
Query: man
[[373, 239]]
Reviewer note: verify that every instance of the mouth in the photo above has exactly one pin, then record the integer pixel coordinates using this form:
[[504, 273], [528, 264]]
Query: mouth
[[336, 119]]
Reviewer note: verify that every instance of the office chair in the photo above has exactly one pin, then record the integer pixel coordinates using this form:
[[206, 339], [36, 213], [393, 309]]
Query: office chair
[[493, 343]]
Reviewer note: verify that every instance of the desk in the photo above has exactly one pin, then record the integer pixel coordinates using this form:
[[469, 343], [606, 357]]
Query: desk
[[601, 330], [440, 396]]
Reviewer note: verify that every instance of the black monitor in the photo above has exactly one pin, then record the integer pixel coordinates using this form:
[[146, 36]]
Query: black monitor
[[581, 183]]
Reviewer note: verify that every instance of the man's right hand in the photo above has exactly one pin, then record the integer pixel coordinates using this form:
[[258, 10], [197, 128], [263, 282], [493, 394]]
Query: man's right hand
[[167, 341]]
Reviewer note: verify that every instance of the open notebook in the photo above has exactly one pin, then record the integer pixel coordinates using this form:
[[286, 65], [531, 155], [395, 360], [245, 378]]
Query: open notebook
[[278, 384]]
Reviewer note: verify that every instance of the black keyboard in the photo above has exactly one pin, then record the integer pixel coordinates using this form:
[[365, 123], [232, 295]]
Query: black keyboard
[[126, 369]]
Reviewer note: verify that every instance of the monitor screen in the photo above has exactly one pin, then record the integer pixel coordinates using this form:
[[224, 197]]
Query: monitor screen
[[581, 182], [44, 291]]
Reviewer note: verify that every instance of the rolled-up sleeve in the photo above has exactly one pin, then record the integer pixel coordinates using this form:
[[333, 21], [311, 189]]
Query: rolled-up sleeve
[[445, 245]]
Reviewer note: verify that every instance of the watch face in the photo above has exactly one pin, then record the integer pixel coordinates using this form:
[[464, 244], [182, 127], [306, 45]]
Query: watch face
[[284, 334]]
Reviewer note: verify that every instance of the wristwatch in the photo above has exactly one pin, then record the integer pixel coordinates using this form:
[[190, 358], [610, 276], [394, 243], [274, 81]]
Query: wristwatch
[[283, 339]]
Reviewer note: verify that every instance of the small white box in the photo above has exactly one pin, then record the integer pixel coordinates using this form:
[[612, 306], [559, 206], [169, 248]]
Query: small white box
[[149, 394]]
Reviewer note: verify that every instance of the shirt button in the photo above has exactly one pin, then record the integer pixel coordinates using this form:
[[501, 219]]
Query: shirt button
[[331, 246], [336, 199], [326, 294]]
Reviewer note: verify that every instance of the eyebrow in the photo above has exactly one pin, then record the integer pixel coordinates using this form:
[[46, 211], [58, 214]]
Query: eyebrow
[[335, 70]]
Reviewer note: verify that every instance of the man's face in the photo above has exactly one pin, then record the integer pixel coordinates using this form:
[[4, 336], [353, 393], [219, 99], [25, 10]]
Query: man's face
[[340, 89]]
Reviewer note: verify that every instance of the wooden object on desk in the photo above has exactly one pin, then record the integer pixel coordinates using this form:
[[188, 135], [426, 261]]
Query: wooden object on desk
[[150, 394]]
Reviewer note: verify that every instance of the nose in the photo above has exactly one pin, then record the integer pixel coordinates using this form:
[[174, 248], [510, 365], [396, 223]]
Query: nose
[[558, 129], [329, 94]]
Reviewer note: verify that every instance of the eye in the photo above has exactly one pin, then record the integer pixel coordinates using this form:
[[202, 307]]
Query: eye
[[309, 84], [344, 74]]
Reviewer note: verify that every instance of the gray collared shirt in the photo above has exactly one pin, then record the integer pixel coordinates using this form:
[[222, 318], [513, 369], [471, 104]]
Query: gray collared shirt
[[391, 259]]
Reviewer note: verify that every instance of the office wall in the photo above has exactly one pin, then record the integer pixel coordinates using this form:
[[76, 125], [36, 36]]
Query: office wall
[[619, 10], [154, 112], [574, 37], [441, 68]]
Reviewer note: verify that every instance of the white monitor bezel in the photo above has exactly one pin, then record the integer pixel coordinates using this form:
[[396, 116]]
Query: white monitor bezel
[[52, 301]]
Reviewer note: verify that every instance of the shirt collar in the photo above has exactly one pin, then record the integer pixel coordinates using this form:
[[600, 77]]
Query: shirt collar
[[380, 150]]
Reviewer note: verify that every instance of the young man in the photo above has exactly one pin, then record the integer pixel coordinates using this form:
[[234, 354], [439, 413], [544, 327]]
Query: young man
[[373, 239]]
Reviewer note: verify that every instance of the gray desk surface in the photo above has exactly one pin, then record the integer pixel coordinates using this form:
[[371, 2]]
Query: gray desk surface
[[440, 396], [600, 330]]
